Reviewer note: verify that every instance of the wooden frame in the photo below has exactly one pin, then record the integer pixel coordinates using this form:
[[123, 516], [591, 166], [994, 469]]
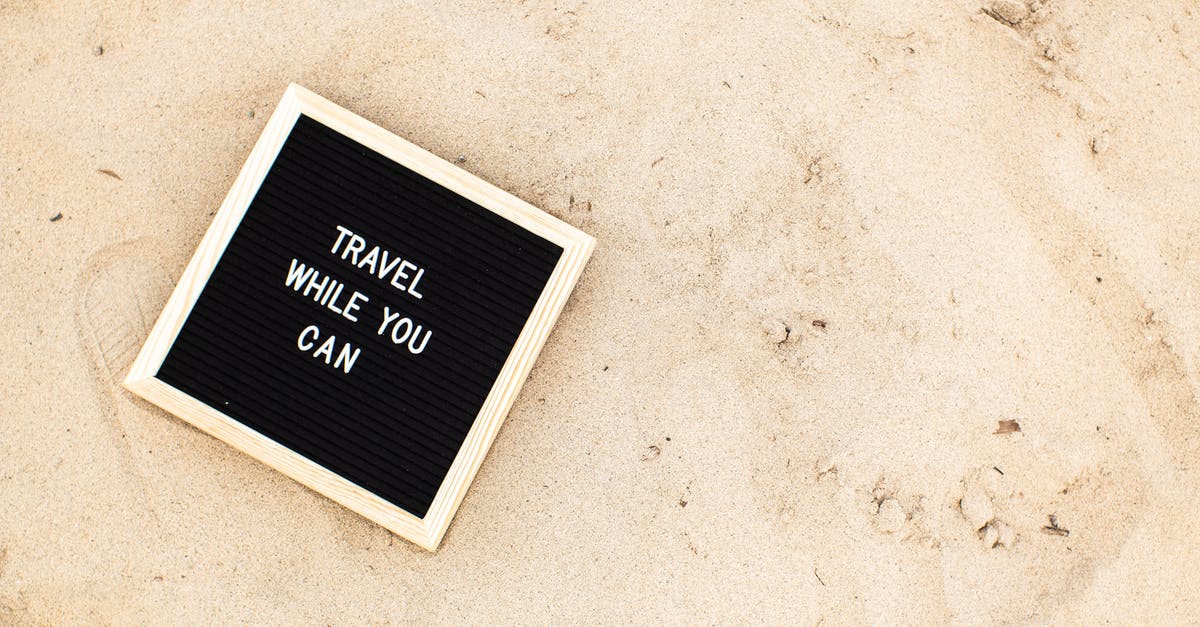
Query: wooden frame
[[426, 532]]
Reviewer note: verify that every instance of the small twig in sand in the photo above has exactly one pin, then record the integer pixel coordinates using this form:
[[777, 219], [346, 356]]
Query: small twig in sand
[[818, 576], [111, 173], [1053, 529]]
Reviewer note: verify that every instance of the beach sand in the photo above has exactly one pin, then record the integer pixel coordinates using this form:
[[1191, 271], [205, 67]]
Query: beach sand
[[840, 246]]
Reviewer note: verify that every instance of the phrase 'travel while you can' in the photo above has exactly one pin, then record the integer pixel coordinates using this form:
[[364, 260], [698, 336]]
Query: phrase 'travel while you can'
[[329, 292]]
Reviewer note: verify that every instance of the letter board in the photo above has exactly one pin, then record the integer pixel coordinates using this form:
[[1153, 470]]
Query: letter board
[[360, 316]]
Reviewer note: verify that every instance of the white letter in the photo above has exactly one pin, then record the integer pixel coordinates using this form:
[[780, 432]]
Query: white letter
[[370, 259], [407, 330], [333, 291], [417, 350], [346, 359], [356, 245], [344, 232], [388, 316], [297, 275], [353, 304], [312, 282], [332, 302], [401, 273], [326, 349], [316, 333], [412, 287], [384, 266]]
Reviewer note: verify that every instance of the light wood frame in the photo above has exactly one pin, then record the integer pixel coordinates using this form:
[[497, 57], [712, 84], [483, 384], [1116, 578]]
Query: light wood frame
[[426, 532]]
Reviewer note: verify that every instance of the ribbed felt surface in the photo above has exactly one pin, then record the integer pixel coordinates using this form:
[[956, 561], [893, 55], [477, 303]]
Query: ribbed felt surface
[[395, 422]]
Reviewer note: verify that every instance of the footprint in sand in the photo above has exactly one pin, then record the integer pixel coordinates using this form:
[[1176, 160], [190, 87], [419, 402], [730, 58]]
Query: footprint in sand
[[119, 294]]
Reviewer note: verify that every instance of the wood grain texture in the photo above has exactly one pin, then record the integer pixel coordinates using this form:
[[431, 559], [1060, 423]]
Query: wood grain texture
[[426, 532]]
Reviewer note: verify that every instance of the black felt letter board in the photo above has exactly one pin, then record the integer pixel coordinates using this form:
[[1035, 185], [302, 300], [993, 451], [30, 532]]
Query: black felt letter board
[[393, 423]]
